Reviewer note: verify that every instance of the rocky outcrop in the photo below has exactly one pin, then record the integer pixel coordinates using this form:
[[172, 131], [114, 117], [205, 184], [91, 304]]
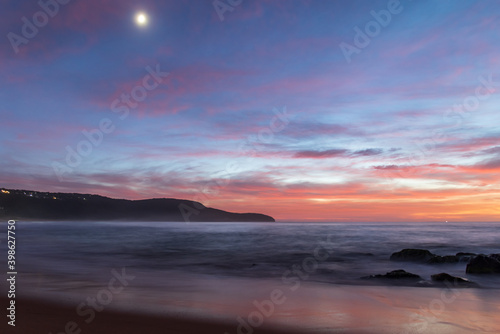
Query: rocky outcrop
[[495, 256], [483, 264], [412, 255], [395, 274], [403, 278], [425, 256], [33, 205], [452, 281]]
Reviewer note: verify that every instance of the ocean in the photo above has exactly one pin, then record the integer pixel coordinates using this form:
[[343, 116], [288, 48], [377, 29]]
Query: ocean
[[226, 270]]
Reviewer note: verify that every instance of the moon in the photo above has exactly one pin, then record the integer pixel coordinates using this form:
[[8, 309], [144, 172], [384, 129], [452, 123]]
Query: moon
[[141, 19]]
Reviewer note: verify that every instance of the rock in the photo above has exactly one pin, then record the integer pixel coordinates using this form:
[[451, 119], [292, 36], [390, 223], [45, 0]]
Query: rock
[[483, 264], [456, 281], [395, 274], [444, 259], [412, 255], [425, 256], [495, 256]]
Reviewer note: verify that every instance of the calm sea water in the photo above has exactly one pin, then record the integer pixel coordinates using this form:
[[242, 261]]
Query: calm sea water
[[85, 250]]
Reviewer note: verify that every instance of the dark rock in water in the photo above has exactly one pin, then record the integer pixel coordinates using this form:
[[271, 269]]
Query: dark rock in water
[[412, 255], [456, 281], [444, 259], [395, 274], [495, 256], [483, 264], [444, 277], [425, 256]]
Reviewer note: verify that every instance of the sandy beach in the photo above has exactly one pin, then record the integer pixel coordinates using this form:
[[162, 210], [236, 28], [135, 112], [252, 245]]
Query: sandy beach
[[320, 309], [36, 316]]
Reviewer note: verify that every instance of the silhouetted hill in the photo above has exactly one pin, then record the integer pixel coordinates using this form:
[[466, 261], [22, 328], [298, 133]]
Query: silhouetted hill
[[34, 205]]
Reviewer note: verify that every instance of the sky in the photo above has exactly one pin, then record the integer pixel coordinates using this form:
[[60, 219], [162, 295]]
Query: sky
[[339, 111]]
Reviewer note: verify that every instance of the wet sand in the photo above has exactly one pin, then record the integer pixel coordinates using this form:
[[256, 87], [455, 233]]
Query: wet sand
[[37, 317], [313, 309]]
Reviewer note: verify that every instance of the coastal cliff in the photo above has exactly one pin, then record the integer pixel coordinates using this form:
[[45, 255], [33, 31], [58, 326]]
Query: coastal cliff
[[33, 205]]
